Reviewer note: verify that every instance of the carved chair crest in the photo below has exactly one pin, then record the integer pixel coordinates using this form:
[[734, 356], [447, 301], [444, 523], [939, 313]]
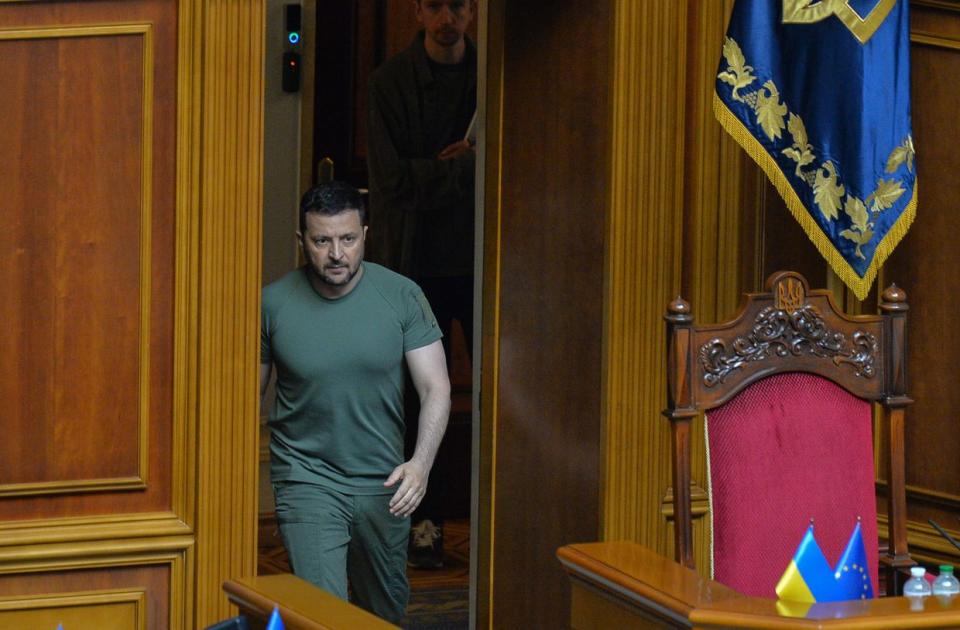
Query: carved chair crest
[[789, 326]]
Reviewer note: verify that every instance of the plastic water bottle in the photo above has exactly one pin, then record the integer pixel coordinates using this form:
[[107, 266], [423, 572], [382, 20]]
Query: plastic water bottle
[[946, 583], [917, 585]]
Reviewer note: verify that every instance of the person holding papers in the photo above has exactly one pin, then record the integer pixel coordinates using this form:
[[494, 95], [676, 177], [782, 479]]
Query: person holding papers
[[421, 160]]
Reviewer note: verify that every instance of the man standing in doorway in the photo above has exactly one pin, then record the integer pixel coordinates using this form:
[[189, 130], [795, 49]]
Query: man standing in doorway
[[339, 332], [422, 162]]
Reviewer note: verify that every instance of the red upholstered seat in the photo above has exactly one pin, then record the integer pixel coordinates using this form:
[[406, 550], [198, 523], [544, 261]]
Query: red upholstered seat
[[788, 448]]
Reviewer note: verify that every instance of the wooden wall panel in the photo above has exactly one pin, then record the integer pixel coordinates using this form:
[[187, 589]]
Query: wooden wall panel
[[105, 610], [924, 265], [88, 203], [90, 598], [549, 293], [166, 198], [87, 193], [74, 241]]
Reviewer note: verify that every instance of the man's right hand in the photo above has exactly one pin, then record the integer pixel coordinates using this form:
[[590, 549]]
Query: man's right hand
[[455, 149], [413, 477]]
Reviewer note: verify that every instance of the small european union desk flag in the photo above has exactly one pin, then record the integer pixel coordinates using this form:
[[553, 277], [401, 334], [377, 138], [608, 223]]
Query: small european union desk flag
[[817, 92], [852, 575], [275, 622], [809, 578]]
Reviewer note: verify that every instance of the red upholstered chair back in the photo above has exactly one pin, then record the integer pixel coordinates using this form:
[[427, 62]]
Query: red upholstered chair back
[[789, 448], [788, 387]]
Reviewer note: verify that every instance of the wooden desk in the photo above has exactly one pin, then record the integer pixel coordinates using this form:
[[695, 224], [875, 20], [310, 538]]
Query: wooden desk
[[303, 606], [625, 585]]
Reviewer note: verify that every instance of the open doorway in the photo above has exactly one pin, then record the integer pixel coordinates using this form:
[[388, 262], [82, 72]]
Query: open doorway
[[319, 131]]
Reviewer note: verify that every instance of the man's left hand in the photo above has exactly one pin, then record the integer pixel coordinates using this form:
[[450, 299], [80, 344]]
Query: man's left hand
[[413, 486], [455, 150]]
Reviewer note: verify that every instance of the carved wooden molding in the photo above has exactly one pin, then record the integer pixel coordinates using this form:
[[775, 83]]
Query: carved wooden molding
[[89, 528], [778, 333]]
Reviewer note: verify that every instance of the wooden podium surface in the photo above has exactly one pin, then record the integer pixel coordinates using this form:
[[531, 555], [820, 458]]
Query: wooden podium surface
[[626, 585], [302, 605]]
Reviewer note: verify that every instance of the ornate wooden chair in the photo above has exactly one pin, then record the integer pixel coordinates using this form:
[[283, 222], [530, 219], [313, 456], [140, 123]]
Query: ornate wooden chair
[[788, 388]]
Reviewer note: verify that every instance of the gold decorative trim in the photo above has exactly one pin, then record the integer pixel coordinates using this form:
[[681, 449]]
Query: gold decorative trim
[[138, 481], [137, 597], [863, 28], [860, 286]]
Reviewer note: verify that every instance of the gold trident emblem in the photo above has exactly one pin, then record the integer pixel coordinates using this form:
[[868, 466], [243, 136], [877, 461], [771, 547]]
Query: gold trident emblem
[[810, 11], [790, 295]]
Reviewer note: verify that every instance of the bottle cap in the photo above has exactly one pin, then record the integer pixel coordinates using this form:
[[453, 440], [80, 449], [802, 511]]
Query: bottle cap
[[918, 571], [946, 568]]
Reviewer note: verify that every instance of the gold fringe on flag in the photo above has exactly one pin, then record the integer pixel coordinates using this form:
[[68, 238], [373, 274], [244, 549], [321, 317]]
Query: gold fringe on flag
[[860, 286]]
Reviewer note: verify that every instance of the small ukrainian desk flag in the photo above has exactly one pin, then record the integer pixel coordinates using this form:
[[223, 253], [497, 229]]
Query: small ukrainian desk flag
[[818, 93], [275, 622], [810, 579]]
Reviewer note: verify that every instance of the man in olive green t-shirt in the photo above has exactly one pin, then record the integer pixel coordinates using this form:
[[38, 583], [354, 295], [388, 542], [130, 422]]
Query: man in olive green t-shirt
[[340, 333]]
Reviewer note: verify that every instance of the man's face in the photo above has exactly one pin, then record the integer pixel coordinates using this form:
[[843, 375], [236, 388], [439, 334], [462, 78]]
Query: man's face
[[445, 21], [333, 246]]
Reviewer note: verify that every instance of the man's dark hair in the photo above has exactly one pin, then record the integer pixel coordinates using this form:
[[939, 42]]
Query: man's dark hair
[[330, 199]]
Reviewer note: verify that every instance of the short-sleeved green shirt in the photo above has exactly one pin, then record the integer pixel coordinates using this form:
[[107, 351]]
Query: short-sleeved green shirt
[[338, 417]]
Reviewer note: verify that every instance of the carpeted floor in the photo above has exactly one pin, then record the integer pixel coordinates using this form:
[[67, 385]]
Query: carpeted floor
[[440, 609], [439, 598]]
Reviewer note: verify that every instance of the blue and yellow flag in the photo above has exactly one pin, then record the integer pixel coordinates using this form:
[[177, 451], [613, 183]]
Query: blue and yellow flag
[[275, 622], [852, 573], [818, 93], [808, 577]]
